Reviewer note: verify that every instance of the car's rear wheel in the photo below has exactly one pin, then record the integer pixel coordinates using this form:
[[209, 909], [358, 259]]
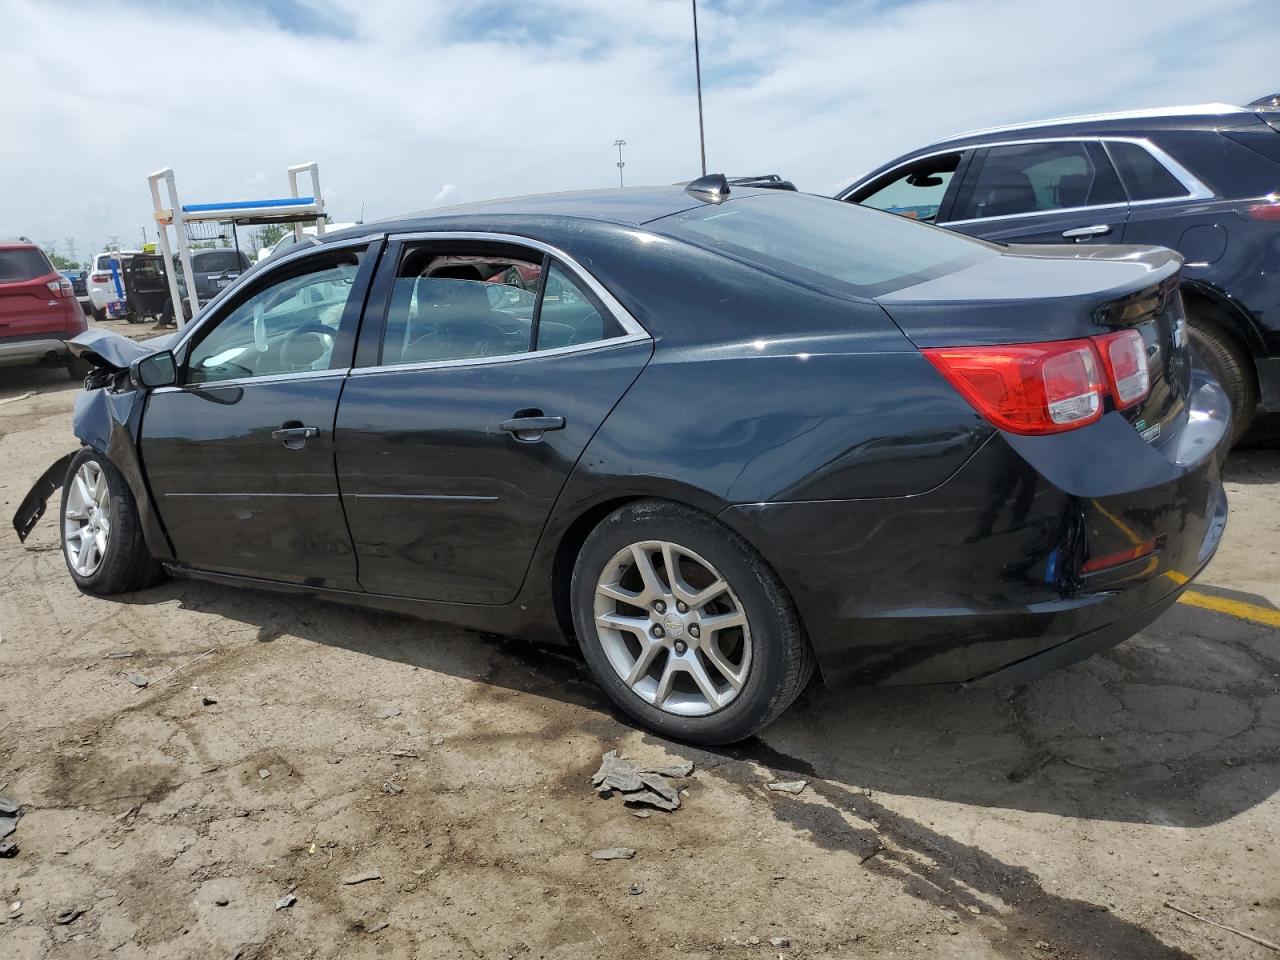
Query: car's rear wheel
[[99, 314], [101, 533], [1231, 366], [685, 625]]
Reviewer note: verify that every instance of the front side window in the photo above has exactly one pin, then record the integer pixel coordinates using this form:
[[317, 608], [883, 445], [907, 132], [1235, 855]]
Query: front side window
[[916, 191], [288, 326], [1145, 177], [1031, 177]]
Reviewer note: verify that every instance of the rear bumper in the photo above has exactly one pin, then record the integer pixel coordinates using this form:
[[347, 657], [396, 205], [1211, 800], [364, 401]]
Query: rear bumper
[[20, 352], [980, 578]]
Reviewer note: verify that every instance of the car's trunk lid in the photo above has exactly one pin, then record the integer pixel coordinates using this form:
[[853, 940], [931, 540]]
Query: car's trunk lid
[[1059, 292]]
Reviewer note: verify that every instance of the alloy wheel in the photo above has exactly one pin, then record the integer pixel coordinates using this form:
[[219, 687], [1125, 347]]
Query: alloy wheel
[[672, 628], [86, 523]]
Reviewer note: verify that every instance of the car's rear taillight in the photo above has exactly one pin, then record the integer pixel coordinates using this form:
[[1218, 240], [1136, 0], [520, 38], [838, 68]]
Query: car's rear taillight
[[100, 277], [1124, 356], [1032, 388], [61, 287], [1264, 211]]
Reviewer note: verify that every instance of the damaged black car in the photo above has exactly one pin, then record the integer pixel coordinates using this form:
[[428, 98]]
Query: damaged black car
[[726, 437]]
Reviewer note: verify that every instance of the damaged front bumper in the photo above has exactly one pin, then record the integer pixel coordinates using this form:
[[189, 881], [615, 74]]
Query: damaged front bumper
[[37, 499]]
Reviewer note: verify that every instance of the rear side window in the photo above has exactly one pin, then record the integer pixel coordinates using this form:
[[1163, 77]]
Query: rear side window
[[1144, 177], [570, 316], [820, 241], [1032, 177], [23, 263]]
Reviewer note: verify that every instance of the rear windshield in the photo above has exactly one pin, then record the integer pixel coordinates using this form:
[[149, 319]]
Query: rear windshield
[[210, 260], [24, 263], [817, 240]]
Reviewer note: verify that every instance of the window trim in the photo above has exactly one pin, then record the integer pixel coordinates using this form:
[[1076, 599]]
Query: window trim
[[1196, 189], [633, 332], [892, 176]]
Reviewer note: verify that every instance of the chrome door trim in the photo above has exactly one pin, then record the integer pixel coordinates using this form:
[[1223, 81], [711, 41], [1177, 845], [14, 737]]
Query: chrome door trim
[[253, 381], [505, 358]]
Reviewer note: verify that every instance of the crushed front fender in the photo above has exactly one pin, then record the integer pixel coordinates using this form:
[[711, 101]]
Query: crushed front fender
[[37, 499]]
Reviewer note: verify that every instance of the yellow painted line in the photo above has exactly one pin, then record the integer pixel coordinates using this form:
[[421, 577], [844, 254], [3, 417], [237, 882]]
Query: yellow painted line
[[1232, 608]]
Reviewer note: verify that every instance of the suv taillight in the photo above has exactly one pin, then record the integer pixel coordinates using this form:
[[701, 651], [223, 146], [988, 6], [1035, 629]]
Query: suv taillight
[[1042, 388], [100, 277], [1264, 211], [61, 287]]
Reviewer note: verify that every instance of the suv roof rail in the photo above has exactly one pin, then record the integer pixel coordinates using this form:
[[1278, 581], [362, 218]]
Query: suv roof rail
[[769, 181]]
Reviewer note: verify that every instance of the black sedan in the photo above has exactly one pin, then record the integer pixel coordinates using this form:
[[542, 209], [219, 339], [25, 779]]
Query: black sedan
[[726, 437]]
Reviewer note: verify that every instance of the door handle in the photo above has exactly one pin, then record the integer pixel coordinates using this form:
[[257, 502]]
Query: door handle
[[294, 435], [531, 426], [1084, 233]]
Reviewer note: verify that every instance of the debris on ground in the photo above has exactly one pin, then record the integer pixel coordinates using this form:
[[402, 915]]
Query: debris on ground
[[8, 849], [392, 788], [123, 655], [788, 786], [1029, 766], [635, 890], [374, 874], [222, 901], [68, 915], [208, 701], [264, 773], [380, 925], [285, 902], [780, 941], [638, 785], [7, 807], [613, 853], [7, 826], [138, 680], [386, 713], [1222, 926]]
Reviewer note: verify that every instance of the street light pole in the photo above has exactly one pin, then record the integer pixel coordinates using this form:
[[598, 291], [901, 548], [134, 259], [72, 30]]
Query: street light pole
[[621, 163], [697, 67]]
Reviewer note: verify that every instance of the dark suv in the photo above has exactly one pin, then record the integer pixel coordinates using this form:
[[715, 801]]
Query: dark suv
[[1202, 180]]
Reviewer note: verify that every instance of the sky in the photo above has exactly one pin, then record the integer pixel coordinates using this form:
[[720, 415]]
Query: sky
[[412, 104]]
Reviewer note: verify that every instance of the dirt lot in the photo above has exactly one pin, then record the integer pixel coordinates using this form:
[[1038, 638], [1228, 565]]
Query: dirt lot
[[1053, 820]]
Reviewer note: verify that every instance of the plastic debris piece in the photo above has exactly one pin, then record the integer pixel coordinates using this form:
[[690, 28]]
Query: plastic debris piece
[[676, 772], [386, 713], [392, 788], [8, 849], [380, 925], [8, 807], [68, 915], [613, 853], [264, 773], [285, 902], [653, 800], [788, 786], [7, 826], [374, 874]]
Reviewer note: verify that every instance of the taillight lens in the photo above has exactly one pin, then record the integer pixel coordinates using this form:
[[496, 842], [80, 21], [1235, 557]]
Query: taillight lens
[[101, 277], [1264, 211], [1124, 355], [1032, 388], [61, 288]]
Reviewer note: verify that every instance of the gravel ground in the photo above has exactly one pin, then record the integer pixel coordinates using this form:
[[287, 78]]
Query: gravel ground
[[1051, 820]]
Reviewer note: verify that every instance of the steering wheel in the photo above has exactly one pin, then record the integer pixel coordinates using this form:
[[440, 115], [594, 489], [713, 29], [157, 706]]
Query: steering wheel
[[292, 345]]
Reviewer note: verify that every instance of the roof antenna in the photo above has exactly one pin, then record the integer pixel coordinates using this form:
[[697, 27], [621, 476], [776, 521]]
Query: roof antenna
[[713, 187]]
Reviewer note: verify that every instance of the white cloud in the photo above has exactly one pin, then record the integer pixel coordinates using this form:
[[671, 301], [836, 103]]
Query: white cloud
[[444, 193], [507, 98]]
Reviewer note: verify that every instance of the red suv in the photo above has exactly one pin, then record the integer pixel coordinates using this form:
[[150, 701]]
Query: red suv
[[38, 310]]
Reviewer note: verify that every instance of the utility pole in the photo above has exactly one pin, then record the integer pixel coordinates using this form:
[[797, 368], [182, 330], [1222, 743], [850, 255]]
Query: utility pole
[[71, 249], [621, 163], [697, 68]]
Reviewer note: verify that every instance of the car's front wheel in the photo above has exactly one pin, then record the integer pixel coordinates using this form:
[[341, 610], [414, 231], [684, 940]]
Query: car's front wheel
[[685, 625], [101, 533]]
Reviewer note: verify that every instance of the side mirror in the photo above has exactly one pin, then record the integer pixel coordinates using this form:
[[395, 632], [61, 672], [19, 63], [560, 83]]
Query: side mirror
[[156, 370]]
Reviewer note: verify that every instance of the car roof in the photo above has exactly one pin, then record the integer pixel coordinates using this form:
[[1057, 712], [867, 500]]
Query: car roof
[[631, 207], [15, 244]]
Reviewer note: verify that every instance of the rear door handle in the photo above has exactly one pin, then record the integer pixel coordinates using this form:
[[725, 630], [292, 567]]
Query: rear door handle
[[531, 427], [294, 435], [1083, 233]]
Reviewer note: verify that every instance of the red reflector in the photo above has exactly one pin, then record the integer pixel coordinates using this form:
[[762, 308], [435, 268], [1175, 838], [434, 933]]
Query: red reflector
[[1031, 388], [1094, 564], [1265, 211], [1124, 356]]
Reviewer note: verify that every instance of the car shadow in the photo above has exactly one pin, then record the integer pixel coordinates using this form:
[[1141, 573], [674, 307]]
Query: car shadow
[[1179, 726], [16, 381]]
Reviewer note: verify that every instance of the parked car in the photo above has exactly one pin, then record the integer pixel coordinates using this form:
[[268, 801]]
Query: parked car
[[1202, 180], [80, 284], [733, 437], [214, 270], [38, 310], [288, 240], [106, 284]]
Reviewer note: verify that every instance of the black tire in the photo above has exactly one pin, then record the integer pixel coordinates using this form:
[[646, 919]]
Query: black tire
[[78, 368], [781, 662], [126, 565], [166, 314], [98, 314], [1232, 367]]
